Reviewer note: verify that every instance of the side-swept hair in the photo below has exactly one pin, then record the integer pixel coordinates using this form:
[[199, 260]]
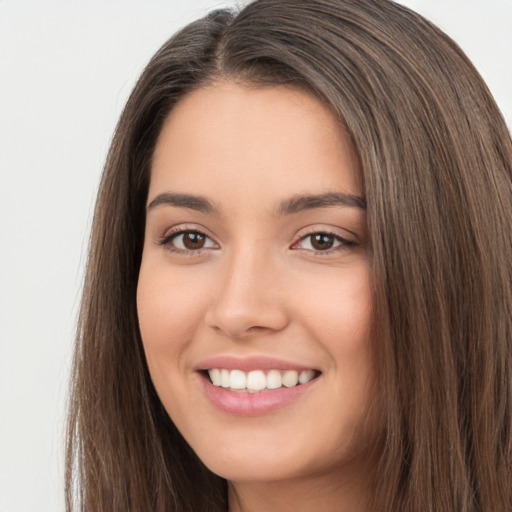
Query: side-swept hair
[[436, 159]]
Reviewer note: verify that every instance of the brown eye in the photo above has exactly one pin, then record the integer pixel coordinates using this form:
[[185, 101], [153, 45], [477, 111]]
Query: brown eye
[[189, 241], [193, 240], [322, 241]]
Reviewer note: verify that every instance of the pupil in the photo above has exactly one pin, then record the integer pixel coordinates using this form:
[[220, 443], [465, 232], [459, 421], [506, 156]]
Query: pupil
[[193, 240], [322, 242]]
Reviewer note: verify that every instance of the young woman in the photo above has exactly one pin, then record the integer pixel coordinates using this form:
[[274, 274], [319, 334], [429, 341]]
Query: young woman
[[299, 288]]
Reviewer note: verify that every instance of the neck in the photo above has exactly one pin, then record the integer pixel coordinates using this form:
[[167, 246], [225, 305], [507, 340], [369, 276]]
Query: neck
[[350, 492]]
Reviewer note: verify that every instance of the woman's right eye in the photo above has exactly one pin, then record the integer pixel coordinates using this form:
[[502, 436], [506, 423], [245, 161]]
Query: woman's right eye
[[188, 241]]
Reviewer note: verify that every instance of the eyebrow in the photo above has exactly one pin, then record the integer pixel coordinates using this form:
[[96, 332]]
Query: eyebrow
[[290, 206], [197, 203], [308, 202]]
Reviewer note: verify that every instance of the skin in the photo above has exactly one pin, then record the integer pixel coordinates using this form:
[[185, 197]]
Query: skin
[[259, 287]]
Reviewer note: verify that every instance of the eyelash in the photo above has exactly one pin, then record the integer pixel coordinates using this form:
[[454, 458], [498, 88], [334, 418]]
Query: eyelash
[[343, 243], [175, 233]]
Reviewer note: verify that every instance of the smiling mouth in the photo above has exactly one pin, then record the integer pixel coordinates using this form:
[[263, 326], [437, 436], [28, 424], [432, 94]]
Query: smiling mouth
[[257, 381]]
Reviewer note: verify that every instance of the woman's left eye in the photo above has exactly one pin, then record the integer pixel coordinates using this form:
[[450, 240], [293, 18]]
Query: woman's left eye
[[188, 241], [321, 242]]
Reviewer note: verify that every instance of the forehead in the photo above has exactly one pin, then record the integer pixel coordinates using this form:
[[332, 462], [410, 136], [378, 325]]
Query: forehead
[[229, 138]]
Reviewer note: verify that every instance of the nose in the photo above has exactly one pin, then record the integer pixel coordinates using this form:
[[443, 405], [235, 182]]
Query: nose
[[250, 299]]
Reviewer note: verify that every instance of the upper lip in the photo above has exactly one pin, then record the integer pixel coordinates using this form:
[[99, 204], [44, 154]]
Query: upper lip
[[230, 362]]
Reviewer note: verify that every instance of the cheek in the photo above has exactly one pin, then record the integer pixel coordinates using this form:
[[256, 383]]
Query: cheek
[[339, 310], [338, 313], [169, 312]]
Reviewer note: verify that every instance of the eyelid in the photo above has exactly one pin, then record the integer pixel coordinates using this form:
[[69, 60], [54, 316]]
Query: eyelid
[[181, 229], [314, 230], [175, 231], [343, 233]]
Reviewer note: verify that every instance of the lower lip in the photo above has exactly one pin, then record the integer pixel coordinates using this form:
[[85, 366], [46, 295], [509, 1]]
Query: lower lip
[[254, 404]]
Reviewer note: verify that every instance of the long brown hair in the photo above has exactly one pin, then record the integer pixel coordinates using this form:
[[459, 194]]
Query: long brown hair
[[436, 159]]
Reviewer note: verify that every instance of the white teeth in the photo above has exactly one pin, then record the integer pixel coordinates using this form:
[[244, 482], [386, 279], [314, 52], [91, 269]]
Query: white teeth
[[238, 380], [216, 377], [257, 380], [305, 376], [274, 379], [290, 378], [225, 379]]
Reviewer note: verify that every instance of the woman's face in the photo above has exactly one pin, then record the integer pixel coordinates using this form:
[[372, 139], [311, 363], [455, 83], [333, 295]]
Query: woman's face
[[255, 273]]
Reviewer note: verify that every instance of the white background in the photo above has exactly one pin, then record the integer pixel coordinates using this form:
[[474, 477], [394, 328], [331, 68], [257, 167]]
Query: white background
[[66, 69]]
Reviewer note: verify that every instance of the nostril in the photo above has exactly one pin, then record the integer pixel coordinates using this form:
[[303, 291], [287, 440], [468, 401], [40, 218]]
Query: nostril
[[256, 328]]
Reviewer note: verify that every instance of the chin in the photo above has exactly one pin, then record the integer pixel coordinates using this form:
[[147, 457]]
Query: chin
[[266, 455]]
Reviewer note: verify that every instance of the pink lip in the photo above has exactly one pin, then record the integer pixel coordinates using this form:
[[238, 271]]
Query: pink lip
[[253, 404], [247, 364]]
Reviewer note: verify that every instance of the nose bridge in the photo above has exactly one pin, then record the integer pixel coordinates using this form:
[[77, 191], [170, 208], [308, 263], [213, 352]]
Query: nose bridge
[[246, 300]]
